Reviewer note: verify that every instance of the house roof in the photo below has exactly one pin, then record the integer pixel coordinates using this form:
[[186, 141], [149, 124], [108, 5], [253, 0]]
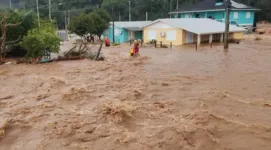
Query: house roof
[[130, 25], [211, 5], [198, 25]]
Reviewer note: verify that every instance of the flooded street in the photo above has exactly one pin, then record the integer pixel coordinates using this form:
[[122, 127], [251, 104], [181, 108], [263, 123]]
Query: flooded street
[[163, 100]]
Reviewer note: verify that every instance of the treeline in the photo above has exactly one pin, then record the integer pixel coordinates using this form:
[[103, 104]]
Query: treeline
[[119, 9]]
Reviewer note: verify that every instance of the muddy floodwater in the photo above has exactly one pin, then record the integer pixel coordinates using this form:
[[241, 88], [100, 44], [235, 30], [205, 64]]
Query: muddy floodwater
[[179, 99]]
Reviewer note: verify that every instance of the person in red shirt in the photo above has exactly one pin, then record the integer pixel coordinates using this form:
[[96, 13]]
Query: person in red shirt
[[107, 42], [136, 47]]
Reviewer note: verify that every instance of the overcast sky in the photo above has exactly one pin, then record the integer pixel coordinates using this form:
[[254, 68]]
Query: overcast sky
[[5, 3]]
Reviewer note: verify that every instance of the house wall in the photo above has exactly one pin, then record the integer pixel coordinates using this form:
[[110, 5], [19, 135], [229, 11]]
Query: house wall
[[125, 37], [242, 19], [159, 28], [238, 35], [118, 34], [217, 15], [121, 35], [220, 16], [216, 37]]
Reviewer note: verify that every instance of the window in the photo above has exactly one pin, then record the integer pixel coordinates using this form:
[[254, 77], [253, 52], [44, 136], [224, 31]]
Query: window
[[235, 15], [171, 35], [219, 2], [248, 14], [151, 35]]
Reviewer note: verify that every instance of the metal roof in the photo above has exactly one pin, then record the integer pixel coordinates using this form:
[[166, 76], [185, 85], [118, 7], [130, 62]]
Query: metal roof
[[209, 5], [130, 25], [198, 25]]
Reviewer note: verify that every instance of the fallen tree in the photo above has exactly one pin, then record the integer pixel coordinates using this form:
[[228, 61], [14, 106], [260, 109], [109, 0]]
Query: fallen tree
[[82, 51]]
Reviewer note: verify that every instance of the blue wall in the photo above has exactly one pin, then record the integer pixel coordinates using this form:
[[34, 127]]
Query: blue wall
[[125, 36], [220, 15], [121, 35], [242, 17]]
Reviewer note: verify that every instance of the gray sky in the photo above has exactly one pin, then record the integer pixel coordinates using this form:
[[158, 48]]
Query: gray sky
[[5, 3]]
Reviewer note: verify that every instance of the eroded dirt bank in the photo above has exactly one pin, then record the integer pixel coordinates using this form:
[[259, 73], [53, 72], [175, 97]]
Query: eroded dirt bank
[[164, 100]]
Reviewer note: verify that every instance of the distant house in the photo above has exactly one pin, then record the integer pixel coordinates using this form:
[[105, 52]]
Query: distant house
[[189, 30], [125, 31], [241, 14]]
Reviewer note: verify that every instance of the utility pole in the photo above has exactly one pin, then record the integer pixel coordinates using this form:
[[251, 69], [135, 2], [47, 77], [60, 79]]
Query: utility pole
[[177, 6], [129, 10], [10, 4], [69, 17], [50, 14], [170, 5], [227, 26], [38, 12], [146, 16], [113, 20], [66, 26]]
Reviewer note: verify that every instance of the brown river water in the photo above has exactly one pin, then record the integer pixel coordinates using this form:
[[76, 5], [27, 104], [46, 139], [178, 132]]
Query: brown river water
[[179, 99]]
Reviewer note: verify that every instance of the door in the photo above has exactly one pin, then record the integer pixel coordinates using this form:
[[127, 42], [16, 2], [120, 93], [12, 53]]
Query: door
[[138, 35], [189, 37]]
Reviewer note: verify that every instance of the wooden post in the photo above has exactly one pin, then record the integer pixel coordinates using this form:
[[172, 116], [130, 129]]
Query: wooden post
[[211, 40], [221, 38], [142, 42], [199, 39], [171, 45], [227, 26], [99, 51], [155, 43], [161, 44]]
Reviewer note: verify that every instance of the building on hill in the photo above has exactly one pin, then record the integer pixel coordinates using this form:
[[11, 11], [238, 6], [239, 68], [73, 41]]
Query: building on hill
[[241, 14], [125, 31], [189, 30]]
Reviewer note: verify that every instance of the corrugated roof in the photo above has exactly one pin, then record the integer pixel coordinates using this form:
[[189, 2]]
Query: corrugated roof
[[130, 25], [208, 5], [198, 25]]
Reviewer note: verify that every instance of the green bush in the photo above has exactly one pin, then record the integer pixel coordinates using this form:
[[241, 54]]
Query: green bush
[[39, 39], [116, 44]]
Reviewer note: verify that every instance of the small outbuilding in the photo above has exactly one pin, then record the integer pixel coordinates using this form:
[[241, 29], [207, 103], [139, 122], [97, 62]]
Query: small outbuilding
[[125, 31], [189, 30]]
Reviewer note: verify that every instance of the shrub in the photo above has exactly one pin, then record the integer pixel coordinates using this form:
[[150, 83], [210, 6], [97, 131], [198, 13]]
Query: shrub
[[40, 39], [152, 42], [116, 44]]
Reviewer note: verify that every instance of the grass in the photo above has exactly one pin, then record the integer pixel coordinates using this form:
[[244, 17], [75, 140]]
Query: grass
[[116, 44]]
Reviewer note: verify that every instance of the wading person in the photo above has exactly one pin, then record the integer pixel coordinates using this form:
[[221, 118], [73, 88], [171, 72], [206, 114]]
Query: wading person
[[107, 42]]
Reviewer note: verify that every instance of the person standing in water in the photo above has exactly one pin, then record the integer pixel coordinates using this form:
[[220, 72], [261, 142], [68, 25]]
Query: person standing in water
[[107, 42], [136, 47]]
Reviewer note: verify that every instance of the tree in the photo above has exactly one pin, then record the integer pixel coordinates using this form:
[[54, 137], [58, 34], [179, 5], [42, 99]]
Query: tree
[[103, 14], [3, 39], [40, 39], [99, 24], [81, 25], [93, 23]]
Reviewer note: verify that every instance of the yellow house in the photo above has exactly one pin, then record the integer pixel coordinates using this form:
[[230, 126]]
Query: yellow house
[[188, 30]]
